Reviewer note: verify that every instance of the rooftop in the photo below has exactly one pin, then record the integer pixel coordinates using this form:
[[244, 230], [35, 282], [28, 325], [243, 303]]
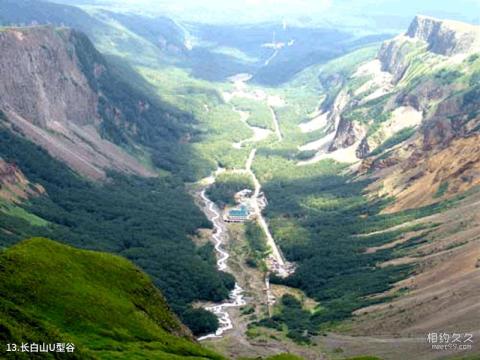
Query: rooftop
[[241, 211]]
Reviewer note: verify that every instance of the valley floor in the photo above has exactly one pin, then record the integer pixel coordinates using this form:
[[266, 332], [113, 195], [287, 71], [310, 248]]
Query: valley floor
[[343, 341]]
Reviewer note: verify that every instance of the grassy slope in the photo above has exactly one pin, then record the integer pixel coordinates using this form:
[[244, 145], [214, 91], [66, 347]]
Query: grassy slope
[[100, 302]]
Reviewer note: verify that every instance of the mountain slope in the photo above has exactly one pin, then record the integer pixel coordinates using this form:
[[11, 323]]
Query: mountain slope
[[148, 221], [65, 96], [48, 98], [103, 304], [422, 84], [444, 96], [14, 186], [380, 214], [64, 104], [437, 162]]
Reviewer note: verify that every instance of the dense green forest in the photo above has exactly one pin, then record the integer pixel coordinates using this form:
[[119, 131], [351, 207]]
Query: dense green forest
[[145, 220], [305, 208], [226, 186], [259, 112], [257, 243], [290, 312]]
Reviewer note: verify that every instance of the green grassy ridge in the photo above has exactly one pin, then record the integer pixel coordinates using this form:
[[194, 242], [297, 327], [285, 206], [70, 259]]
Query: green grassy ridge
[[426, 67], [101, 302]]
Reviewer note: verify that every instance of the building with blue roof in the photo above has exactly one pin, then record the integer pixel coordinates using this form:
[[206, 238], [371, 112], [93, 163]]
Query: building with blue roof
[[239, 214]]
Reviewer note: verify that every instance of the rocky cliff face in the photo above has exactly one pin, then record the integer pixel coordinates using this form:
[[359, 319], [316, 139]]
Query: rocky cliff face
[[41, 80], [418, 89], [442, 37], [47, 93], [393, 57], [445, 37], [348, 133]]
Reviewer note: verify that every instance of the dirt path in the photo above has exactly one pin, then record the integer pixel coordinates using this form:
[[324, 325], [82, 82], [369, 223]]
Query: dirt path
[[259, 134], [275, 123]]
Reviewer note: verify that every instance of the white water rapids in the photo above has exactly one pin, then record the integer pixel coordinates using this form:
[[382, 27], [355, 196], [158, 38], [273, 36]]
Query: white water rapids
[[236, 295]]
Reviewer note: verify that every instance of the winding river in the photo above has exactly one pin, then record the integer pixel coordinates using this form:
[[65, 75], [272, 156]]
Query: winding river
[[220, 233], [236, 295]]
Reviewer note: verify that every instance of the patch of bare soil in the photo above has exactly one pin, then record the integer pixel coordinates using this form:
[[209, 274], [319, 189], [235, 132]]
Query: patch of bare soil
[[14, 186], [419, 182]]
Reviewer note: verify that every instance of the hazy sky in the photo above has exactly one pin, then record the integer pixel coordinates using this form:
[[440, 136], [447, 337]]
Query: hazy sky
[[382, 13]]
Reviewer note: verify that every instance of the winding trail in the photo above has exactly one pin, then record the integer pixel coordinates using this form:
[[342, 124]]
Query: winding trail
[[261, 220], [259, 134], [275, 123]]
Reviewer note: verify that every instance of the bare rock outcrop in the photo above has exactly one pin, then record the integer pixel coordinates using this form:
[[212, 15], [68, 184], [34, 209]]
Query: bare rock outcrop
[[348, 133], [392, 56], [445, 37], [14, 186], [40, 78], [47, 94]]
